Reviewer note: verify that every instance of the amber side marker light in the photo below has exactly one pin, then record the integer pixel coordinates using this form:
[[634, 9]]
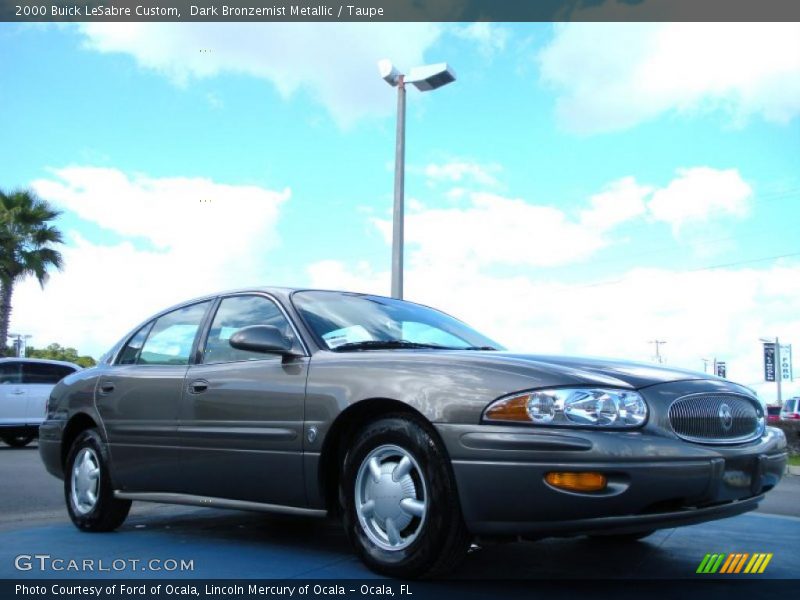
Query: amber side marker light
[[577, 482]]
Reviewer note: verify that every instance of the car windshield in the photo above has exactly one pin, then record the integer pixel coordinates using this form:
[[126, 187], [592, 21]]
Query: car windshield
[[350, 322]]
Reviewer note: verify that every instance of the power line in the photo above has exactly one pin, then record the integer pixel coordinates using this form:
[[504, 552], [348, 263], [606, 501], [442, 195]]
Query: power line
[[708, 268]]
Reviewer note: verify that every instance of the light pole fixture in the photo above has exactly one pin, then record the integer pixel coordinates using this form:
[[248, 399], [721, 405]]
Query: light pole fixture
[[424, 78], [20, 343]]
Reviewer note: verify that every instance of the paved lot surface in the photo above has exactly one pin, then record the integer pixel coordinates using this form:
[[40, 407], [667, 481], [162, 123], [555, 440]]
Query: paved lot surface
[[229, 544]]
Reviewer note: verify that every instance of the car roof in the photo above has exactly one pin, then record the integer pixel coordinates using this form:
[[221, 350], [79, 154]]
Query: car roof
[[45, 361], [279, 292]]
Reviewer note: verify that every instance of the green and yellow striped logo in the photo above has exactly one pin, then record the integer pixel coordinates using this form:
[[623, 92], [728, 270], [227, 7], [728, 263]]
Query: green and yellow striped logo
[[734, 563]]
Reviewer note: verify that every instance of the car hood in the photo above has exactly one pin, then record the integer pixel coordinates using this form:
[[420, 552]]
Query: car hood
[[571, 370]]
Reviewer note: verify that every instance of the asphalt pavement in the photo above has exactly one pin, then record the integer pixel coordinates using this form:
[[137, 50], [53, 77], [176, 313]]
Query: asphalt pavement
[[231, 544]]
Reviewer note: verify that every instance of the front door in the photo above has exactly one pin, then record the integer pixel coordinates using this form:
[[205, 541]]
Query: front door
[[241, 421], [139, 396]]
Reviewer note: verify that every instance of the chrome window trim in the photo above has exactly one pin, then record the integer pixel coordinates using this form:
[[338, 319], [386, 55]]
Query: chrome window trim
[[113, 360]]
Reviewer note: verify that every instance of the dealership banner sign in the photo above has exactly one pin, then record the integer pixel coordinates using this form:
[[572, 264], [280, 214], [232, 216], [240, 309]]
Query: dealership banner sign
[[769, 361], [786, 363], [722, 369]]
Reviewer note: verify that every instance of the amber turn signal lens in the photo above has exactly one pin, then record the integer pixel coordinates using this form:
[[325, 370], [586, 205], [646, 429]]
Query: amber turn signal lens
[[577, 482], [511, 409]]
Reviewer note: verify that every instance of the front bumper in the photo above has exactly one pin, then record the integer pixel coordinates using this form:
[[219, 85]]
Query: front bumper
[[654, 481]]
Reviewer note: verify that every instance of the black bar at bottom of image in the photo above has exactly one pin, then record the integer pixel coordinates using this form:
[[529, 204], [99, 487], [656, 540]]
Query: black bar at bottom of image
[[294, 589]]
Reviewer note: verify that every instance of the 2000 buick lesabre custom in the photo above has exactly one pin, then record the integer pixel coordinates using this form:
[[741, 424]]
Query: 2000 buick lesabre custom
[[412, 426]]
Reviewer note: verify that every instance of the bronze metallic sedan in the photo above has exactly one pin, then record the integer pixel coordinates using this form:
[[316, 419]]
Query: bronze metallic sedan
[[418, 431]]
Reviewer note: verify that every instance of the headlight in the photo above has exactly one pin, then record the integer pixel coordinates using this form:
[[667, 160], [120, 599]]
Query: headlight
[[575, 407]]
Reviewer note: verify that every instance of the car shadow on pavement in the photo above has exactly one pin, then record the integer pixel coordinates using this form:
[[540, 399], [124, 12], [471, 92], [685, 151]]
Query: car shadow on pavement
[[288, 536]]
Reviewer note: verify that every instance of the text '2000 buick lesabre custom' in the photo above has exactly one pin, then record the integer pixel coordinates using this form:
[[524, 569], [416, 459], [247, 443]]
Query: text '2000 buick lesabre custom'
[[416, 430]]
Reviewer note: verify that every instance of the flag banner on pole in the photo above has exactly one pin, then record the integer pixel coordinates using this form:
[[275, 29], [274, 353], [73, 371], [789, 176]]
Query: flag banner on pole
[[786, 363], [769, 361]]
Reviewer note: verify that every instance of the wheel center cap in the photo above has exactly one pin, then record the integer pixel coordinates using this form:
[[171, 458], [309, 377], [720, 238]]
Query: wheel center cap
[[387, 495]]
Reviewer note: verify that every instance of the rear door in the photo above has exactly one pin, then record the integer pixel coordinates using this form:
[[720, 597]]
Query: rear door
[[241, 421], [138, 399], [12, 394], [38, 380]]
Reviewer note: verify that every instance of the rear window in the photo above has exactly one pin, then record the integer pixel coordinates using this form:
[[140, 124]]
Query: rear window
[[773, 410], [790, 406], [44, 373]]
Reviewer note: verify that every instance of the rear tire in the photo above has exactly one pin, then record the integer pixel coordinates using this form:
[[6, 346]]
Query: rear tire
[[87, 486], [401, 509], [18, 441]]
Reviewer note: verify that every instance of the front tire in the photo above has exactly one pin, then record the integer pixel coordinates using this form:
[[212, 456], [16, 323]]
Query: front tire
[[18, 441], [401, 509], [87, 486]]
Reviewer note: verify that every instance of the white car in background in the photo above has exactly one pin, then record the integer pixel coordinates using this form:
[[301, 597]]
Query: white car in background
[[25, 385]]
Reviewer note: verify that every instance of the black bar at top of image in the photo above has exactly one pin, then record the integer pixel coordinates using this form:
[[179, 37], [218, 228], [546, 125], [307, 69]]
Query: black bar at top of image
[[399, 10]]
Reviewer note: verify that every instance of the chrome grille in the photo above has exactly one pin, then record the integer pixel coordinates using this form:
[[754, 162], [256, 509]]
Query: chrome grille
[[716, 418]]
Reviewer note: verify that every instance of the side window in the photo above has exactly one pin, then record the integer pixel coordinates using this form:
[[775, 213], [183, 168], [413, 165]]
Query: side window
[[131, 350], [10, 372], [44, 373], [171, 338], [233, 314]]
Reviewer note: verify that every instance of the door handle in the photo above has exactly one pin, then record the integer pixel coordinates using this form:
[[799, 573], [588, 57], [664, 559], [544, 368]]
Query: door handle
[[106, 387], [18, 392], [198, 386]]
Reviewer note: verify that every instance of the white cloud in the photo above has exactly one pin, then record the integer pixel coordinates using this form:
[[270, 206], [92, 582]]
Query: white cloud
[[458, 171], [490, 229], [701, 194], [490, 37], [171, 212], [106, 288], [621, 201], [333, 62], [494, 229], [616, 75]]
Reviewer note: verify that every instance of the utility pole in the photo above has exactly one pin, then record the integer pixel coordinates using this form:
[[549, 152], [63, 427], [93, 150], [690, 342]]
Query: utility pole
[[657, 344]]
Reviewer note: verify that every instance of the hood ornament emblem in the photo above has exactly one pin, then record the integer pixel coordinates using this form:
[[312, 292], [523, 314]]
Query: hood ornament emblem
[[725, 417]]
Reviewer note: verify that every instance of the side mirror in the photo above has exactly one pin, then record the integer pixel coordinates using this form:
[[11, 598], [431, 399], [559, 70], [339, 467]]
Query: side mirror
[[262, 338]]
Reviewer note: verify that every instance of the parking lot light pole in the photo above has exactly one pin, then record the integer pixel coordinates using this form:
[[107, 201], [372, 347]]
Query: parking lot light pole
[[398, 212], [426, 78]]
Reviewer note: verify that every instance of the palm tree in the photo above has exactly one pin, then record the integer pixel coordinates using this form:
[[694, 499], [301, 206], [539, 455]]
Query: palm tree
[[26, 247]]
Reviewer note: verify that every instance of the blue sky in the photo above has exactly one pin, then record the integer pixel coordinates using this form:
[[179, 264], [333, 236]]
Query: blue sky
[[564, 156]]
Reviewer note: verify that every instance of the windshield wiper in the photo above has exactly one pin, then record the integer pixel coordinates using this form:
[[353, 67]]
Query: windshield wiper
[[386, 345], [479, 348]]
